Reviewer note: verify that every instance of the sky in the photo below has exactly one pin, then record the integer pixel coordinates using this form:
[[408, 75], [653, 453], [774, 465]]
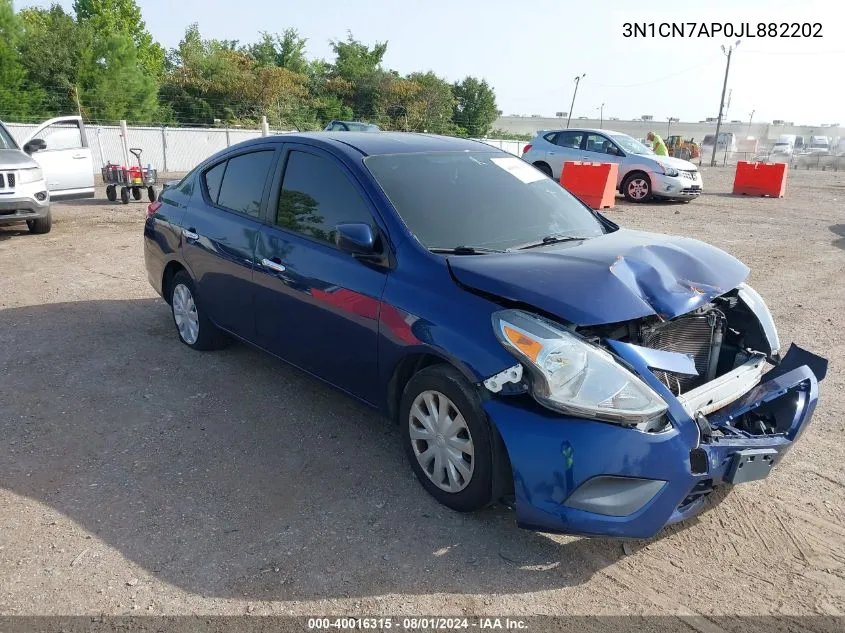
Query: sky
[[531, 50]]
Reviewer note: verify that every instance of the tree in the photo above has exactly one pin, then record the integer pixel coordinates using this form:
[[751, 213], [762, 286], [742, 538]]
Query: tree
[[52, 34], [123, 17], [285, 51], [16, 101], [433, 104], [475, 107], [113, 84]]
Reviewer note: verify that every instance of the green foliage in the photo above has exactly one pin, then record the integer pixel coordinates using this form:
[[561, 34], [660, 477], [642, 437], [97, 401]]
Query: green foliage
[[475, 108], [101, 60]]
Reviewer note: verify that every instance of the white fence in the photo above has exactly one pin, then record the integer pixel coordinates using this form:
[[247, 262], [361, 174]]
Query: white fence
[[171, 149]]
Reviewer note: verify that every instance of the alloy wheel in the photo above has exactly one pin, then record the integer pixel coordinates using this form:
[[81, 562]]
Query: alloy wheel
[[185, 314]]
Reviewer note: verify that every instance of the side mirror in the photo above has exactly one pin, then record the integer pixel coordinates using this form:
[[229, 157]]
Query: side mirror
[[34, 145], [356, 239]]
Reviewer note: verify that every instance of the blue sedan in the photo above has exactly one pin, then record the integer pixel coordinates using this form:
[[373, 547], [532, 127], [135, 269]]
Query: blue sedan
[[602, 381]]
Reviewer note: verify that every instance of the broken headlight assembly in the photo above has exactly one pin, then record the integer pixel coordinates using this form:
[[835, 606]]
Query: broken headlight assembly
[[573, 376]]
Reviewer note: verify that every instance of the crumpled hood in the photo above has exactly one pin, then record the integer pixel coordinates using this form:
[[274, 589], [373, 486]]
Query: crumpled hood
[[616, 277], [15, 159]]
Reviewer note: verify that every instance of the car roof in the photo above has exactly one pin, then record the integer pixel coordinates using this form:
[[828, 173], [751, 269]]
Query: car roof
[[375, 143], [581, 129]]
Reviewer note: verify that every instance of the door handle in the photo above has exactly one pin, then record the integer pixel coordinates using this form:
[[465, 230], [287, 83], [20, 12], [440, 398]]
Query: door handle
[[78, 156], [269, 263], [190, 235]]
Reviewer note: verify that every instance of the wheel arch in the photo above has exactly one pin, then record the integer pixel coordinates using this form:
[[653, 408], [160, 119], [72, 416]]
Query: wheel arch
[[635, 172], [173, 267]]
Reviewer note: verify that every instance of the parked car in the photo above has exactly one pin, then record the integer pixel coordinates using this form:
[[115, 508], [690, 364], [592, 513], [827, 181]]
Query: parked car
[[54, 164], [351, 126], [603, 380], [642, 173]]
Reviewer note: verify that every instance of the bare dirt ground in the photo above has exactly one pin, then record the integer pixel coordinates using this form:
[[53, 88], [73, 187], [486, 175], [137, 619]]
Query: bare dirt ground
[[139, 477]]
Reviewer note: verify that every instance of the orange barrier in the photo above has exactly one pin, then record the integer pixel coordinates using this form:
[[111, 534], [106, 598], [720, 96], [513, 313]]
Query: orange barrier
[[594, 184], [760, 179]]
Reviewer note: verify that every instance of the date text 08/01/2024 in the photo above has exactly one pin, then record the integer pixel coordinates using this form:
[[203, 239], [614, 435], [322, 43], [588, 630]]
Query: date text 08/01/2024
[[417, 623], [722, 29]]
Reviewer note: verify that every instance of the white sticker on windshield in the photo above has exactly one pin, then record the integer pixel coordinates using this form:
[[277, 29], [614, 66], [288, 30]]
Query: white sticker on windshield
[[519, 169]]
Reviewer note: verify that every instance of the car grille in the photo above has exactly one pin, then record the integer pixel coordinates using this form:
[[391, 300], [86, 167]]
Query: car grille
[[689, 175], [693, 189], [7, 181]]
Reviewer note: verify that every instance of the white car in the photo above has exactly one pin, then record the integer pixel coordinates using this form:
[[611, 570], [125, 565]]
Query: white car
[[54, 164], [642, 173]]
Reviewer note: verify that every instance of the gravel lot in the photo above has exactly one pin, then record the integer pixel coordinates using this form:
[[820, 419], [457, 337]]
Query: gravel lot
[[139, 477]]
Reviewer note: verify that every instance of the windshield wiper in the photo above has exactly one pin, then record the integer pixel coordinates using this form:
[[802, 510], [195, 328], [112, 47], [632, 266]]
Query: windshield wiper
[[552, 239], [464, 250]]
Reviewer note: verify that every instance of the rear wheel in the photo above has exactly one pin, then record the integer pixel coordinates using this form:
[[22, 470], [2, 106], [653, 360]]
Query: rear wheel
[[40, 225], [447, 438], [544, 167], [151, 194], [194, 328], [111, 193], [136, 193], [124, 195], [637, 187]]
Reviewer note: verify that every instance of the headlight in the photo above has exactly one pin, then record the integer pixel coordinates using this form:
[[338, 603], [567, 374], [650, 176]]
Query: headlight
[[573, 376], [669, 171], [26, 176], [755, 303]]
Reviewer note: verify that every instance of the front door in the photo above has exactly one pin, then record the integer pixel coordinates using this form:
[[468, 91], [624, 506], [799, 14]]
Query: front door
[[316, 306], [66, 160], [600, 149], [219, 233]]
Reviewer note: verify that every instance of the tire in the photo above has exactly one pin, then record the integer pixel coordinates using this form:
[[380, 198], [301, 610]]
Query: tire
[[136, 193], [544, 167], [198, 332], [636, 187], [40, 226], [151, 194], [471, 479], [124, 195], [111, 193]]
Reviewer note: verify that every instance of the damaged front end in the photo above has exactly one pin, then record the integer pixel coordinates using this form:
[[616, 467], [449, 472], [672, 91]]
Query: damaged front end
[[694, 402]]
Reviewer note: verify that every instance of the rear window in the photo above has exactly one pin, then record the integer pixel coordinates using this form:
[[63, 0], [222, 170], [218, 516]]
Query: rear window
[[243, 182], [213, 178]]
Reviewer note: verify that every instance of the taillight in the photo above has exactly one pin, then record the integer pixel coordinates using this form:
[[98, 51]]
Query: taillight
[[152, 208], [526, 148]]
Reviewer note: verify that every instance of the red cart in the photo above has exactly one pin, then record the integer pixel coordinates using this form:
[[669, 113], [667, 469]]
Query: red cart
[[130, 180]]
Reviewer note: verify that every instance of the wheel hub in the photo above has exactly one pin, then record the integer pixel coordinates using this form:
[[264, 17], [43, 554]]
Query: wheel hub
[[185, 314]]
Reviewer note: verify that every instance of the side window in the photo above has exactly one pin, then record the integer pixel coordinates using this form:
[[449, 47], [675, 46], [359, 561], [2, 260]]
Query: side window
[[244, 180], [62, 135], [316, 196], [213, 178], [572, 140], [598, 143], [550, 137]]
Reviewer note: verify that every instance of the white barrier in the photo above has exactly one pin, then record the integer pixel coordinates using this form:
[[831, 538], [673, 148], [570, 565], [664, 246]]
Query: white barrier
[[172, 149]]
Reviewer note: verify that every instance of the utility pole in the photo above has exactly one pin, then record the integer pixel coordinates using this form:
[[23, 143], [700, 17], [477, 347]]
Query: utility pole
[[601, 116], [672, 120], [750, 117], [574, 94], [727, 52]]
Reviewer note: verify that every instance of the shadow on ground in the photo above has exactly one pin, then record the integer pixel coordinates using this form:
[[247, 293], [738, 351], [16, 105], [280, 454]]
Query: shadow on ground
[[215, 470], [839, 229]]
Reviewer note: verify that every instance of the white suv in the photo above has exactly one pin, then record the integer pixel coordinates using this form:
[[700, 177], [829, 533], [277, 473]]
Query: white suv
[[642, 173], [54, 164]]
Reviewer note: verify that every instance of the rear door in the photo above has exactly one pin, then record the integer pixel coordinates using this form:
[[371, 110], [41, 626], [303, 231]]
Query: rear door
[[567, 147], [219, 233], [66, 160], [316, 306]]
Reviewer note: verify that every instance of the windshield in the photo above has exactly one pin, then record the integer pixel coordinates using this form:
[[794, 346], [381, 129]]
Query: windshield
[[482, 199], [361, 127], [6, 140], [630, 145]]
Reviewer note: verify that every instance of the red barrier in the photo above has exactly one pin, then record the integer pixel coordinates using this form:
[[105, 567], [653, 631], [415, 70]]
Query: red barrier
[[594, 184], [760, 179]]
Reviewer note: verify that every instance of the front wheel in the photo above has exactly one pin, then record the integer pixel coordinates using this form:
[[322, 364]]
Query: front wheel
[[111, 193], [151, 193], [447, 438], [136, 193], [636, 188], [40, 225], [124, 195]]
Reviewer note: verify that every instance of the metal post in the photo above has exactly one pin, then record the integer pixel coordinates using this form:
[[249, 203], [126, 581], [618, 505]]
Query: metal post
[[164, 149], [722, 102], [228, 143], [574, 94], [265, 129], [601, 116], [124, 136]]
